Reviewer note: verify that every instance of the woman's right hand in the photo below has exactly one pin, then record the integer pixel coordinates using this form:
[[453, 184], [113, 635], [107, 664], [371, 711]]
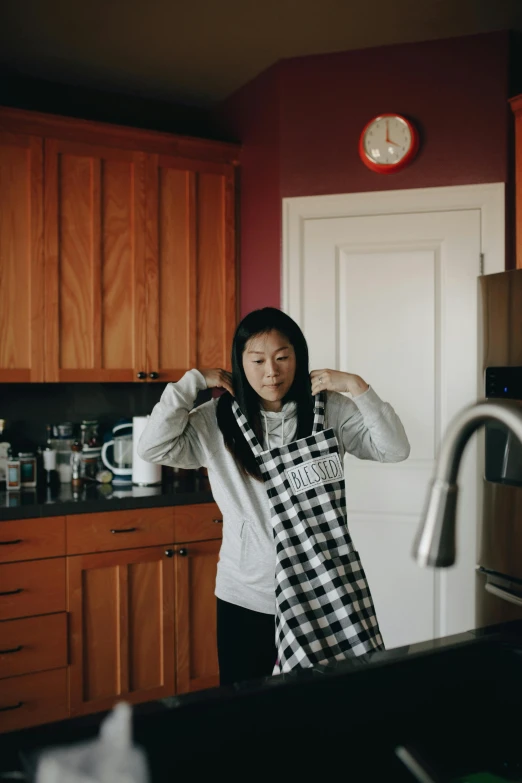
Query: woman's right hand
[[218, 379]]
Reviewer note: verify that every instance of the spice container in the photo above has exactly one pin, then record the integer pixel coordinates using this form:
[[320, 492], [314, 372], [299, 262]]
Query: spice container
[[27, 469], [76, 464], [13, 481]]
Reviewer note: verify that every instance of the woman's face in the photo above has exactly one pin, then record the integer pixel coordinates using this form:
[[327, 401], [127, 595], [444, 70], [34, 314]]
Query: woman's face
[[269, 364]]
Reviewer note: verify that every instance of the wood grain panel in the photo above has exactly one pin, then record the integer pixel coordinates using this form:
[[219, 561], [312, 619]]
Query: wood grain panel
[[33, 644], [116, 136], [29, 539], [79, 258], [151, 625], [117, 209], [176, 247], [112, 637], [212, 351], [32, 587], [33, 699], [196, 652], [21, 258], [199, 522], [134, 529], [94, 200]]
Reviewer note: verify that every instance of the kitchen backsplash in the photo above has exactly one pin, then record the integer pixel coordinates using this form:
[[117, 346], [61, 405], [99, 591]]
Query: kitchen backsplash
[[28, 407]]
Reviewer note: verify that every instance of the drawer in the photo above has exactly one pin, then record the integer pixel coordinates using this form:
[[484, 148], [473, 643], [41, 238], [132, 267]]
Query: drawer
[[33, 644], [111, 530], [33, 587], [33, 699], [28, 539], [197, 523]]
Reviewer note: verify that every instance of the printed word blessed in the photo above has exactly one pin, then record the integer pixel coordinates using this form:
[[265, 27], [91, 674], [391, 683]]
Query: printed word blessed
[[314, 473]]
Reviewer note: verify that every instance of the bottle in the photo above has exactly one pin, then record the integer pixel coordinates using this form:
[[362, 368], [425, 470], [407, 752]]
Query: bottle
[[27, 469], [5, 446], [76, 464], [14, 478]]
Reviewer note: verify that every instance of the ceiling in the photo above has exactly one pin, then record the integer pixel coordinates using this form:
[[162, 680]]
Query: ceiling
[[200, 51]]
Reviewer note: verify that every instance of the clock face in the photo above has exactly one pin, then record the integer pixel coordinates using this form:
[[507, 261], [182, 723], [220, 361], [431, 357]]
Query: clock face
[[387, 143]]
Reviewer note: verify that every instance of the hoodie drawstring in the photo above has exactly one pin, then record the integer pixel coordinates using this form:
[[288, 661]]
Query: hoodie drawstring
[[267, 435]]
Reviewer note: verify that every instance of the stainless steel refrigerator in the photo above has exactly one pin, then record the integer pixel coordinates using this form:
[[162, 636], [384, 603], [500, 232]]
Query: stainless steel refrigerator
[[499, 572]]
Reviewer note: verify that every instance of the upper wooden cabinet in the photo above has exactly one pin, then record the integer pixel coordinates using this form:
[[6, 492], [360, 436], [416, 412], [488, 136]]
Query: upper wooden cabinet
[[21, 258], [190, 266], [134, 234]]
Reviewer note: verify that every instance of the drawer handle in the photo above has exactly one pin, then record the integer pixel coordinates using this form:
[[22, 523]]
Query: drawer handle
[[12, 592], [217, 521], [124, 530], [14, 541], [183, 552], [12, 707], [12, 650]]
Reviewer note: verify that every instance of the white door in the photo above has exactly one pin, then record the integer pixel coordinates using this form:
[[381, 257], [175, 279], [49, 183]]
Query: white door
[[393, 298]]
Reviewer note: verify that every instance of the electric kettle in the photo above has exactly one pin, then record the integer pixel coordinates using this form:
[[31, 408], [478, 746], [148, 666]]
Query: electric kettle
[[121, 446]]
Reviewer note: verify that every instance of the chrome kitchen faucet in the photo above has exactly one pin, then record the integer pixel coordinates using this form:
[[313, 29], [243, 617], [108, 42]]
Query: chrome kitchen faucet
[[435, 541]]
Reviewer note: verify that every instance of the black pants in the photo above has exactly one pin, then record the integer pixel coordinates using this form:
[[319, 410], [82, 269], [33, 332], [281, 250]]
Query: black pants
[[246, 643]]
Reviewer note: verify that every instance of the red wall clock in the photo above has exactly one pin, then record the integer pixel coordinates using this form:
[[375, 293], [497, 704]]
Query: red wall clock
[[388, 143]]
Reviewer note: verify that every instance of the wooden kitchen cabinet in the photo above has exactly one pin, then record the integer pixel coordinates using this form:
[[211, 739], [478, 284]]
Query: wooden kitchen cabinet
[[95, 289], [121, 628], [134, 234], [21, 258], [191, 270], [196, 648]]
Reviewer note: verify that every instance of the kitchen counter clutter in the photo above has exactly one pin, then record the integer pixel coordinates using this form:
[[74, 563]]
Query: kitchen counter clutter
[[451, 705], [65, 499]]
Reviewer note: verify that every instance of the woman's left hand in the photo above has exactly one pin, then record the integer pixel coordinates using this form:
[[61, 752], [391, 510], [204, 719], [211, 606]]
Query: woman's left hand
[[334, 380]]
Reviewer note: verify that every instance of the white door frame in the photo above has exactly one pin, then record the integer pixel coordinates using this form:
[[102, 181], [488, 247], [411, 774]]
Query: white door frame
[[489, 198]]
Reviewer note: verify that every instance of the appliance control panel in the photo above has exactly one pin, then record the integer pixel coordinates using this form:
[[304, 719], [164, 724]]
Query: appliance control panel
[[503, 383]]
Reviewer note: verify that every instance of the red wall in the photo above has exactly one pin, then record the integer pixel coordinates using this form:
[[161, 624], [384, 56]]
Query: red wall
[[300, 123]]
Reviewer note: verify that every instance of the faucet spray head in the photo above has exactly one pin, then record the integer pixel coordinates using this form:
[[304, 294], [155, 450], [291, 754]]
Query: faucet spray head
[[434, 543]]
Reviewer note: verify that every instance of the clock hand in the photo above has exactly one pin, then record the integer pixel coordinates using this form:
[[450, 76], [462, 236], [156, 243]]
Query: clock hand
[[388, 140]]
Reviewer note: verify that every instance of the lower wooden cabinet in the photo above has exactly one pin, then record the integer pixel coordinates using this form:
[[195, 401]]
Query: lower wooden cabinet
[[196, 649], [142, 624], [33, 699], [121, 628]]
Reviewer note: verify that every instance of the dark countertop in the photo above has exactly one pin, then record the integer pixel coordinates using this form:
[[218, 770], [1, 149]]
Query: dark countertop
[[452, 702], [64, 499]]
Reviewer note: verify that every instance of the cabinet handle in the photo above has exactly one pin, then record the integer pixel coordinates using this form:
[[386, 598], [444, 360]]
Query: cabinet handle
[[169, 552], [183, 552], [11, 707], [12, 650], [217, 521], [14, 541], [12, 592], [124, 530], [153, 375], [142, 375]]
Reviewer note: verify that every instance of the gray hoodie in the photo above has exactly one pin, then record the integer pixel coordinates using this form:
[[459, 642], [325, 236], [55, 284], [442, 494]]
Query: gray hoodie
[[182, 436]]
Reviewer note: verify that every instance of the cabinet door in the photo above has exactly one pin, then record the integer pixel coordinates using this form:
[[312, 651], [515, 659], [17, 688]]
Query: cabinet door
[[191, 269], [95, 292], [121, 623], [21, 259], [196, 649]]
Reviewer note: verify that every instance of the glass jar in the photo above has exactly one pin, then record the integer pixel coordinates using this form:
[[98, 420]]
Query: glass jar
[[13, 481], [27, 469]]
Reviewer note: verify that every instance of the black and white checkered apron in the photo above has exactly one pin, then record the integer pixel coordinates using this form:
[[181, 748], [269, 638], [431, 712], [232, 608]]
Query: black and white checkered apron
[[324, 608]]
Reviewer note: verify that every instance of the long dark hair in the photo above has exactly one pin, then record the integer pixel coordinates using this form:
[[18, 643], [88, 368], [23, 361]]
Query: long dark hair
[[255, 323]]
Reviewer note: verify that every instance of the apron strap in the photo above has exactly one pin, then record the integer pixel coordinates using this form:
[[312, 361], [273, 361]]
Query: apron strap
[[251, 438], [319, 415], [246, 429]]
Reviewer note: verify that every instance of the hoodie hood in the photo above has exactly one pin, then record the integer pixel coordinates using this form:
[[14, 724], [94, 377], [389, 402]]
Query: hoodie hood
[[279, 427]]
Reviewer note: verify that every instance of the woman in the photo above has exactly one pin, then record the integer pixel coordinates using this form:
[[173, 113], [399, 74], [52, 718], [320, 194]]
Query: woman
[[270, 402]]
